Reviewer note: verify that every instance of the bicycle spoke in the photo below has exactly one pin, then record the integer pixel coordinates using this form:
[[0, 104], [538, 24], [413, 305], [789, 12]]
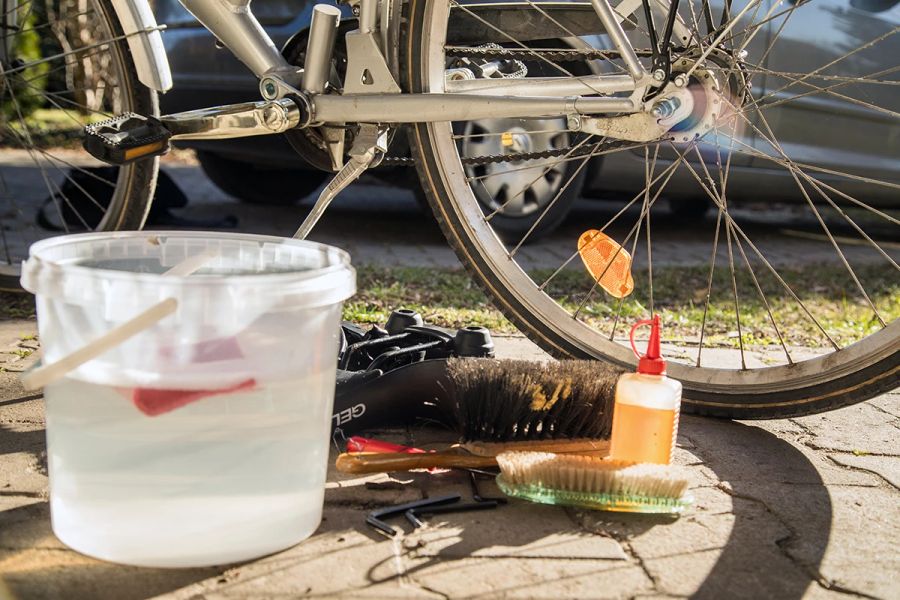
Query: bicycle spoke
[[635, 230], [765, 302], [762, 58], [703, 56], [737, 229], [566, 158], [862, 79], [531, 51], [30, 149], [550, 206], [723, 182], [76, 51], [759, 24], [712, 268], [798, 168], [667, 174], [728, 237], [649, 168], [820, 90], [509, 202], [821, 221], [834, 62], [52, 185]]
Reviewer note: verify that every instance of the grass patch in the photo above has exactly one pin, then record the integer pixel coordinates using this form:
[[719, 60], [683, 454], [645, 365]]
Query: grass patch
[[16, 306], [450, 298], [51, 128], [445, 297]]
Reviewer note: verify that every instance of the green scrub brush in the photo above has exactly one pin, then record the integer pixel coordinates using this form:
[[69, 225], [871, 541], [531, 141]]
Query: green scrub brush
[[592, 482]]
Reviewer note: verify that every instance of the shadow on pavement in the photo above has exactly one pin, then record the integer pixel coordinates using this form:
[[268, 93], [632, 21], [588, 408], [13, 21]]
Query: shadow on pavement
[[777, 526], [769, 479], [781, 515], [35, 565]]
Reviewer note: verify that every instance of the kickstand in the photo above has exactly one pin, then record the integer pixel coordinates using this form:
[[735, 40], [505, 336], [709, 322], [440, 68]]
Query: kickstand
[[370, 144]]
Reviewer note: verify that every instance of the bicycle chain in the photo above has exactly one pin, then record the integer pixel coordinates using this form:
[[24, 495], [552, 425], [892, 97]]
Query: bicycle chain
[[580, 54], [567, 152], [572, 54]]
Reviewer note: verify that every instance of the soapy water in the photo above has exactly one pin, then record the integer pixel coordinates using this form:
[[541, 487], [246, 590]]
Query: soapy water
[[224, 478]]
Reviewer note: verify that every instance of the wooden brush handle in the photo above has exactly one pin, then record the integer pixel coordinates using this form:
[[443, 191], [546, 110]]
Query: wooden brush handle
[[563, 446], [358, 463]]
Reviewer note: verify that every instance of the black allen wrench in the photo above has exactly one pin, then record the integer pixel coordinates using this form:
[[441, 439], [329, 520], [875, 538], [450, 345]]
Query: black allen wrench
[[415, 511]]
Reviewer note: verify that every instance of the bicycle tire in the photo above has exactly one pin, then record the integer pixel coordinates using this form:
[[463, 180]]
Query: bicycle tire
[[870, 367], [135, 183]]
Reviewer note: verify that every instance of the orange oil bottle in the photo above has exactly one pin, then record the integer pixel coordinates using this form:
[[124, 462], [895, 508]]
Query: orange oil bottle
[[645, 417]]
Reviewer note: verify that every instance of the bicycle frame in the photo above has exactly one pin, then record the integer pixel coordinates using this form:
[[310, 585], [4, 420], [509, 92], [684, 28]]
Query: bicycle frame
[[380, 101]]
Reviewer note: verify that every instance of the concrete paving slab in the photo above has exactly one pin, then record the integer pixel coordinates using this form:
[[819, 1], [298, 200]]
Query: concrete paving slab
[[783, 509], [857, 428]]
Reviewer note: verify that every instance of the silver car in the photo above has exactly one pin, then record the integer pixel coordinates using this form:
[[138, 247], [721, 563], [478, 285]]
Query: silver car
[[839, 128]]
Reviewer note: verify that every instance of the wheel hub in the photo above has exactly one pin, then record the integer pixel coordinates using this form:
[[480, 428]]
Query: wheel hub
[[516, 141], [714, 89]]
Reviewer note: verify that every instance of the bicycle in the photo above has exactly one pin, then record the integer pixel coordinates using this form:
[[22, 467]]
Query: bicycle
[[674, 80]]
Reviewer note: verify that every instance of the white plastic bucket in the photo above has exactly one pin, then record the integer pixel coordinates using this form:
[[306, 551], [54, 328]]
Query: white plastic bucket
[[204, 439]]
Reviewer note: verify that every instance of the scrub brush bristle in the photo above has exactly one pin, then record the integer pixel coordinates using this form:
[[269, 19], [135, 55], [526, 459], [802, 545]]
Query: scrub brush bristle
[[520, 400], [592, 482]]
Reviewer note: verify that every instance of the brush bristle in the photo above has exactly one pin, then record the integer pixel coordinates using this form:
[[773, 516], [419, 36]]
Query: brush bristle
[[590, 475], [517, 400]]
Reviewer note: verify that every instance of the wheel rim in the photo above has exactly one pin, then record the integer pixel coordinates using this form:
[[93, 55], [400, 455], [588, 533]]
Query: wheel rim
[[494, 256], [47, 97]]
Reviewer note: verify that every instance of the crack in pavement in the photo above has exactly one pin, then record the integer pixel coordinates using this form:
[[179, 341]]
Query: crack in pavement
[[814, 446], [864, 469]]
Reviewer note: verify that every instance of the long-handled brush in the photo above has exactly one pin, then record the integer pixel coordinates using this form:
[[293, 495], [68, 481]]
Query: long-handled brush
[[592, 482], [500, 405]]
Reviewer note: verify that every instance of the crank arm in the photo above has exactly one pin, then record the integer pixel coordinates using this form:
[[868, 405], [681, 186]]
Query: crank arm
[[238, 120], [130, 137]]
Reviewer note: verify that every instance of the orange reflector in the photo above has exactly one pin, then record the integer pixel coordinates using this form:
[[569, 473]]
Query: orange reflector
[[607, 262], [139, 151]]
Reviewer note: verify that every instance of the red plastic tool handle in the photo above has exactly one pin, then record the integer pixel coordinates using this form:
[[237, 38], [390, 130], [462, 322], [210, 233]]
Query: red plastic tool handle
[[361, 444], [631, 335]]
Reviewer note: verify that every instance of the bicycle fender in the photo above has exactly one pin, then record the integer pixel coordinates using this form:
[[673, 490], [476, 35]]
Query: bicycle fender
[[145, 42]]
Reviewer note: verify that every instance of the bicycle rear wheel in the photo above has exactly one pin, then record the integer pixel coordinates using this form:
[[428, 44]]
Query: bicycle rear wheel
[[755, 332], [63, 65]]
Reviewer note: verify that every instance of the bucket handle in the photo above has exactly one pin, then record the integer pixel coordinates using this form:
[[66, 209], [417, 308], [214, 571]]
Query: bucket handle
[[43, 374]]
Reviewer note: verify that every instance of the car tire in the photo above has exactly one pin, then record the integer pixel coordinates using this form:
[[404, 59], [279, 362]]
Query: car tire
[[690, 208], [258, 185]]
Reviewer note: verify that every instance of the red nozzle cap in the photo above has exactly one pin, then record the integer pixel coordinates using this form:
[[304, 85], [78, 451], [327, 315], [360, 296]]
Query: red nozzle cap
[[652, 362]]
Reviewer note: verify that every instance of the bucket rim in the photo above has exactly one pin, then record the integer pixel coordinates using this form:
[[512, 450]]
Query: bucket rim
[[342, 262]]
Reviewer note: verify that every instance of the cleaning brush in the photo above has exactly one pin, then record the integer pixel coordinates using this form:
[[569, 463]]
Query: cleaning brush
[[500, 405], [592, 482]]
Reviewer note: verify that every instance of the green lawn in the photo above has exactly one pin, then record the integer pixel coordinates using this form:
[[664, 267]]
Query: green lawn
[[449, 297]]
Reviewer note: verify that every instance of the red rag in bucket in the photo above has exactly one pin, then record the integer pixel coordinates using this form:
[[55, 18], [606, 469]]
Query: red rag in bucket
[[153, 402]]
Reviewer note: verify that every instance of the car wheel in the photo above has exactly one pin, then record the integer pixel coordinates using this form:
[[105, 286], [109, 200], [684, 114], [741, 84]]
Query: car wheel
[[523, 197], [257, 185], [690, 208]]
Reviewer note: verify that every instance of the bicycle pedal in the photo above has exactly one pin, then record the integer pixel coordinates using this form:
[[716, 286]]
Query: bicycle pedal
[[126, 138]]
